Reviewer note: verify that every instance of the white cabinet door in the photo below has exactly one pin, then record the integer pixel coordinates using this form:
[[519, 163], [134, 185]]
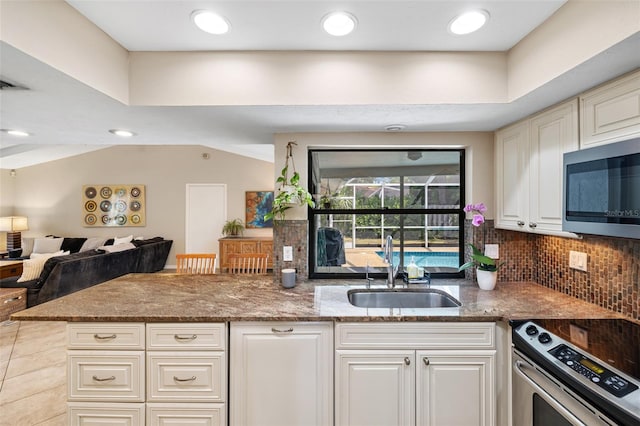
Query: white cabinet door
[[553, 133], [375, 388], [611, 112], [512, 178], [281, 374], [456, 388]]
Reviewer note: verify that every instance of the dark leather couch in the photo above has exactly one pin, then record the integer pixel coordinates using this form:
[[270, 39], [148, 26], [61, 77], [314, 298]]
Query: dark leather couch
[[64, 275]]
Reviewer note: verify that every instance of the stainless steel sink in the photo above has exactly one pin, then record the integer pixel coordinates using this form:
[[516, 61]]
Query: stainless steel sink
[[402, 298]]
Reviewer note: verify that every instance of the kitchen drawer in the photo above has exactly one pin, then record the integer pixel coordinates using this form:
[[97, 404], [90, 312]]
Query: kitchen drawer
[[186, 377], [175, 337], [431, 335], [109, 376], [96, 414], [107, 335], [180, 414]]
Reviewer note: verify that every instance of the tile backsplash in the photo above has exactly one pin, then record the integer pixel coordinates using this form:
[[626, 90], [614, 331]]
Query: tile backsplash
[[612, 279]]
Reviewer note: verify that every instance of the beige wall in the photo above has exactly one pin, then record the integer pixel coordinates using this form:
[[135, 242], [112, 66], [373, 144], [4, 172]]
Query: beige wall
[[50, 194], [478, 145]]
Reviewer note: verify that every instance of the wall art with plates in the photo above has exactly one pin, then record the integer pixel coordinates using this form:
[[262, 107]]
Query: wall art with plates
[[113, 205]]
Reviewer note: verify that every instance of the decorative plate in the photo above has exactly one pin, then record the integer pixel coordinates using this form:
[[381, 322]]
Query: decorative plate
[[121, 220], [135, 219], [90, 206], [135, 192], [121, 192], [90, 192], [120, 206], [90, 219], [106, 219], [105, 192], [135, 206], [105, 206]]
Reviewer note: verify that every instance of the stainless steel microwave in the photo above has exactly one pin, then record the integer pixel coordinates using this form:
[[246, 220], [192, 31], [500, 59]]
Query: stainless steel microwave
[[602, 190]]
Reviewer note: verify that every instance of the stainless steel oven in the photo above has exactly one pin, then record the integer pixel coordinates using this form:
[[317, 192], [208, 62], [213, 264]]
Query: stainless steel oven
[[556, 383]]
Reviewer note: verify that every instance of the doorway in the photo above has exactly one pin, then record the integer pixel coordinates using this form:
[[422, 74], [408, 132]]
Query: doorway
[[206, 212]]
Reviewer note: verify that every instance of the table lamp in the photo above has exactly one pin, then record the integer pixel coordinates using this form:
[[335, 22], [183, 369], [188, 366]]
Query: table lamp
[[12, 225]]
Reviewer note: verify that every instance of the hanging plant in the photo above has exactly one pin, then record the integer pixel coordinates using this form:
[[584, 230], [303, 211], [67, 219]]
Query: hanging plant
[[290, 193]]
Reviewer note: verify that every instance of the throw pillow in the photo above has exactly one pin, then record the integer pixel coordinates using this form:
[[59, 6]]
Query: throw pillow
[[32, 268], [47, 245], [72, 244], [27, 246], [117, 247], [122, 240], [92, 243]]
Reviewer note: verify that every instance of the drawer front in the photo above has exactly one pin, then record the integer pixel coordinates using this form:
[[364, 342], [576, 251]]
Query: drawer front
[[126, 336], [176, 414], [7, 271], [94, 414], [12, 301], [186, 377], [175, 337], [109, 376], [431, 335]]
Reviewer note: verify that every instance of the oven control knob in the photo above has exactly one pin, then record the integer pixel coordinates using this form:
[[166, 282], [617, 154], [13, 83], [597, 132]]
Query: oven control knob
[[544, 338], [532, 330]]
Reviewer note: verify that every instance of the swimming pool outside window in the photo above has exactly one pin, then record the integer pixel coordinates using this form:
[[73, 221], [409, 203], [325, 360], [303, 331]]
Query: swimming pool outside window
[[363, 196]]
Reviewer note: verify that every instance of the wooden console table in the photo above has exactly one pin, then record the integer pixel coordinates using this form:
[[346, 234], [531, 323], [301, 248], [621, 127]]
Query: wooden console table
[[10, 268], [230, 245]]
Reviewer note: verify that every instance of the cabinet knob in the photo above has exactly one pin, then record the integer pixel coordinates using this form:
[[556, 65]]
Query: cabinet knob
[[520, 223], [533, 225], [407, 361], [425, 360]]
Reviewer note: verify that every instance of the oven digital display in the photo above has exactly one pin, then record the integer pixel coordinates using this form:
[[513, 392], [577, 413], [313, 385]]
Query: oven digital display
[[592, 366]]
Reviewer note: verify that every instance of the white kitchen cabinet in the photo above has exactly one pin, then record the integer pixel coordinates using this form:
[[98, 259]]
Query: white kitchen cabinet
[[611, 112], [441, 398], [529, 173], [281, 373], [415, 374]]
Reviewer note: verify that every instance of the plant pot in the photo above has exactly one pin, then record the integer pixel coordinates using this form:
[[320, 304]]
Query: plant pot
[[486, 279]]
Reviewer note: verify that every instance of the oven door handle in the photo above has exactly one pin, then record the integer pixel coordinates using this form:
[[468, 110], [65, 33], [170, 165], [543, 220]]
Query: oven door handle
[[550, 399]]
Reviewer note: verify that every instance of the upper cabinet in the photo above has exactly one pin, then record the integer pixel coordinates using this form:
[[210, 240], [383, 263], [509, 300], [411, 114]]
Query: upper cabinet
[[611, 112], [529, 170]]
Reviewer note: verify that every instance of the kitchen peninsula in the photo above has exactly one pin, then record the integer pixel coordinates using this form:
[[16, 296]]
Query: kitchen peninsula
[[158, 347]]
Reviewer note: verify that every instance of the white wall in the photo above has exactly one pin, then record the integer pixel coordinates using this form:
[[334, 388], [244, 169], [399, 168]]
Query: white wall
[[50, 194], [478, 145]]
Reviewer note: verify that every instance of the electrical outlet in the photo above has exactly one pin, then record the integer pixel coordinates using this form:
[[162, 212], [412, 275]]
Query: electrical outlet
[[579, 336], [492, 251], [578, 260], [287, 253]]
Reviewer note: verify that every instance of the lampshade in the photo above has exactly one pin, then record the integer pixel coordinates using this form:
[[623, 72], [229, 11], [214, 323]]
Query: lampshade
[[13, 224]]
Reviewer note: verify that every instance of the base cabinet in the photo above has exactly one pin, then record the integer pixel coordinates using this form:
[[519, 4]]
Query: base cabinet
[[415, 374], [281, 374]]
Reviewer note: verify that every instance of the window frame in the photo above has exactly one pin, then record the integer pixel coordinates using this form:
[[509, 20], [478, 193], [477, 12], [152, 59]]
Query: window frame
[[313, 212]]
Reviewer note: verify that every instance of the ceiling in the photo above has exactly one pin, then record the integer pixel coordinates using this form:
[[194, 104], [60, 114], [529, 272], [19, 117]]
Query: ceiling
[[66, 117]]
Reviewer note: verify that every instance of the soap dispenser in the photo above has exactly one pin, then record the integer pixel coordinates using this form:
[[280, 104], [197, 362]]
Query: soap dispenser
[[412, 269]]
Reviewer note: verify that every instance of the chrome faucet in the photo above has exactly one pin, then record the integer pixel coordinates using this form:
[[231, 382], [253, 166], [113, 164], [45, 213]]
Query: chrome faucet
[[388, 259]]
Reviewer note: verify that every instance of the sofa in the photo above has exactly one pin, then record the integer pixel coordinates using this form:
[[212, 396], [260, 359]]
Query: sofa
[[69, 273]]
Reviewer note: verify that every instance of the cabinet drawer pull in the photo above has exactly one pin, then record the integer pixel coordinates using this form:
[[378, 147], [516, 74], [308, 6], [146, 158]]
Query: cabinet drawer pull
[[109, 337], [106, 379], [183, 338], [425, 360], [13, 299], [532, 224], [178, 379], [407, 361], [520, 223], [288, 330]]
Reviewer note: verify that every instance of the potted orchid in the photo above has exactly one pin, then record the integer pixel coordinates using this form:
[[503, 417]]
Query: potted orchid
[[487, 267]]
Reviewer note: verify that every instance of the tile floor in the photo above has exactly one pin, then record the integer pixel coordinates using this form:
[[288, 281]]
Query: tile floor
[[33, 390]]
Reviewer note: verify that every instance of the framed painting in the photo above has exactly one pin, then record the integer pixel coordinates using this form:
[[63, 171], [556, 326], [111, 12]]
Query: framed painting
[[113, 205], [258, 204]]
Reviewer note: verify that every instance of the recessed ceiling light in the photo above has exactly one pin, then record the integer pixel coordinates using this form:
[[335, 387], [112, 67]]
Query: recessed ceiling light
[[469, 22], [122, 133], [395, 128], [210, 22], [339, 23], [14, 132]]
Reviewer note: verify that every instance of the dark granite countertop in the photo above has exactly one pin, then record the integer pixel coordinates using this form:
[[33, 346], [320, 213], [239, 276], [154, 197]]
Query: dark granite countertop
[[213, 298]]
